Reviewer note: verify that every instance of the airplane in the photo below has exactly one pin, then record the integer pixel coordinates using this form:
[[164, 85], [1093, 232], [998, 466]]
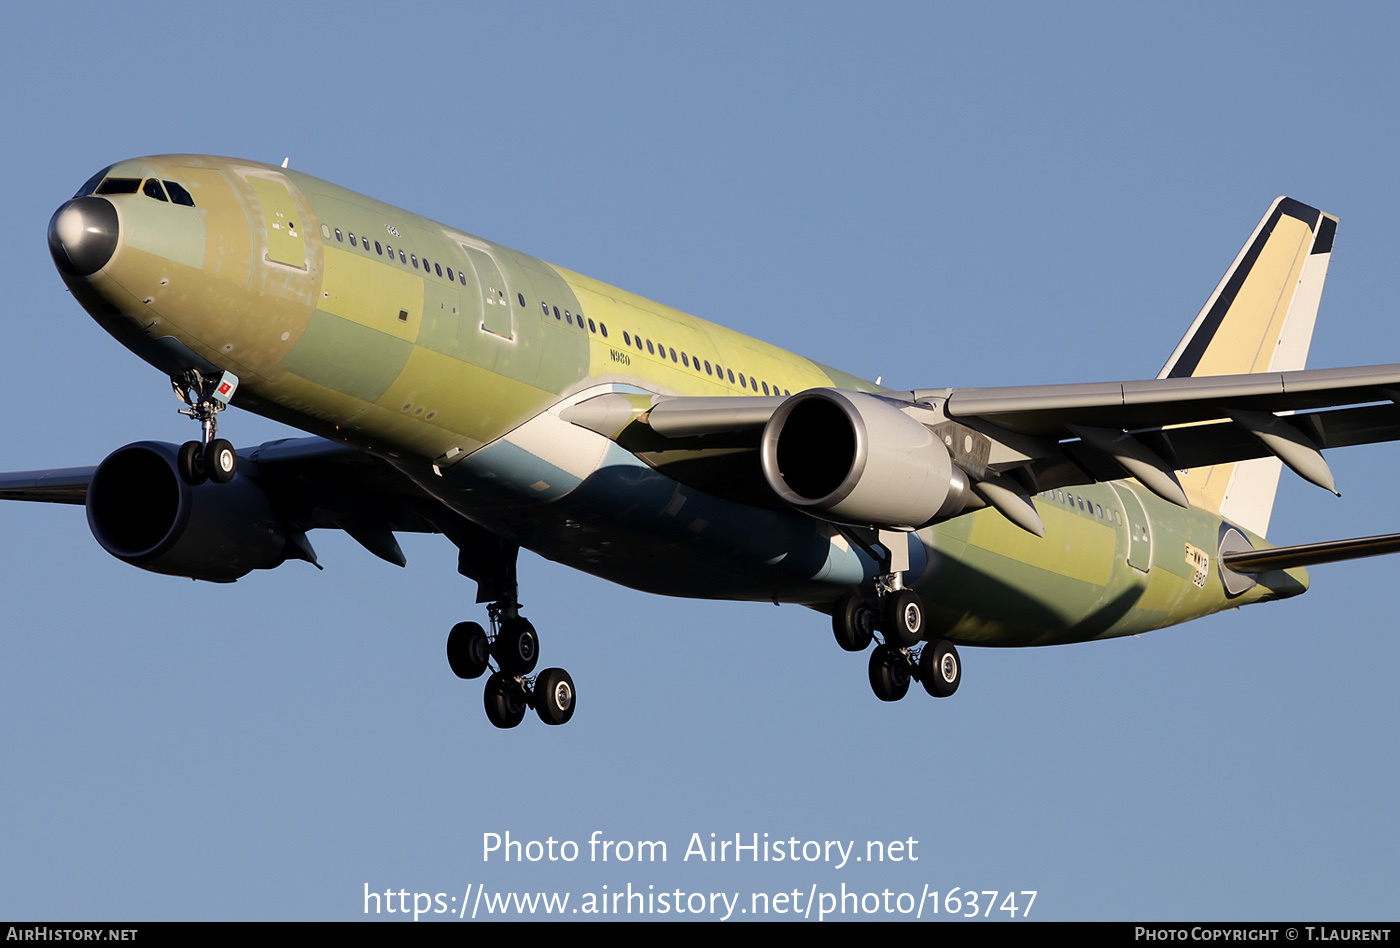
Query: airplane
[[451, 385]]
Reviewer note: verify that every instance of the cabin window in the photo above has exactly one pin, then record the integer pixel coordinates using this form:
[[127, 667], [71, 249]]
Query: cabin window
[[591, 327], [402, 258], [603, 328], [730, 373], [556, 311], [685, 359], [462, 279], [412, 256], [673, 356], [378, 249], [707, 367], [626, 338], [519, 296], [765, 388], [352, 239], [339, 236], [568, 318], [544, 308], [152, 189], [437, 268], [650, 349]]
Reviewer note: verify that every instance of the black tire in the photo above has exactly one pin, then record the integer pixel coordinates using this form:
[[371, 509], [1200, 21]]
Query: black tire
[[889, 676], [468, 650], [518, 646], [940, 668], [220, 461], [903, 619], [505, 701], [554, 696], [190, 463], [853, 622]]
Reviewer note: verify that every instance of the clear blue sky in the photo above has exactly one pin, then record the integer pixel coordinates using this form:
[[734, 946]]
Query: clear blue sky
[[938, 194]]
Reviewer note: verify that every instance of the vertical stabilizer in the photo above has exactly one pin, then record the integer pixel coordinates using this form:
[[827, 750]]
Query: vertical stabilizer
[[1259, 319]]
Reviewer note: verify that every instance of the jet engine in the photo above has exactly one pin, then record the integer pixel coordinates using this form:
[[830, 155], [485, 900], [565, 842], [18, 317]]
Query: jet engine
[[143, 513], [857, 459]]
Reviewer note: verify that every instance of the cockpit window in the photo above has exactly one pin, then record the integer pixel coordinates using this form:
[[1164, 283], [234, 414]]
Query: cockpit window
[[91, 184], [119, 186], [178, 194], [153, 189]]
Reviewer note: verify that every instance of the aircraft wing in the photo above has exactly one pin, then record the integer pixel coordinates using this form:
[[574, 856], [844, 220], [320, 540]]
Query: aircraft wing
[[307, 483], [1054, 410], [1042, 436], [59, 486]]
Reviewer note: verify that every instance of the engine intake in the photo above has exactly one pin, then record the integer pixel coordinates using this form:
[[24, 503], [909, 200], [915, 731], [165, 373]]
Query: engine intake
[[143, 513], [857, 459]]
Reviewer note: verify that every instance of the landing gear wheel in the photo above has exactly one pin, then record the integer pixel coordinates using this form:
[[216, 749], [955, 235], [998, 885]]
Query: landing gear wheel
[[853, 622], [889, 676], [554, 696], [468, 650], [505, 701], [190, 463], [220, 461], [903, 619], [940, 669], [517, 646]]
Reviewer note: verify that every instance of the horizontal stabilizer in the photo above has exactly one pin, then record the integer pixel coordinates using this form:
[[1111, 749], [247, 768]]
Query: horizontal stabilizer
[[1310, 554]]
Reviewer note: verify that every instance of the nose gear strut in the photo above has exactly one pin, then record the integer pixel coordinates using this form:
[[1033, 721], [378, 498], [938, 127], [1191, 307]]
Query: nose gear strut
[[210, 458]]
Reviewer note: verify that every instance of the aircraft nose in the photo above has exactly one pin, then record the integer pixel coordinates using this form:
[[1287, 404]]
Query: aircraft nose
[[83, 235]]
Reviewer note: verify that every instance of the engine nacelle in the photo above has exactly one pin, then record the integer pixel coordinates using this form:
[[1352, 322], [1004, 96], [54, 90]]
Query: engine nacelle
[[143, 513], [857, 459]]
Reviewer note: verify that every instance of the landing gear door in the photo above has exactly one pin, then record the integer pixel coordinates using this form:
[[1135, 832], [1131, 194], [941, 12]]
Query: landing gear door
[[283, 224], [496, 313], [1139, 530]]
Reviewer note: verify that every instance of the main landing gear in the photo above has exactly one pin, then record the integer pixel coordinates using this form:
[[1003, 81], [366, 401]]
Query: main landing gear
[[511, 689], [895, 662], [210, 458], [898, 614]]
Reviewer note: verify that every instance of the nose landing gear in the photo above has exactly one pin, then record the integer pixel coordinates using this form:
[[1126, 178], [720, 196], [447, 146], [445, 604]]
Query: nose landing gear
[[210, 458]]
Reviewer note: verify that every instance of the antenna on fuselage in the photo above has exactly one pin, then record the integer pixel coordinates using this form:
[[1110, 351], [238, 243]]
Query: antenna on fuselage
[[286, 161]]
